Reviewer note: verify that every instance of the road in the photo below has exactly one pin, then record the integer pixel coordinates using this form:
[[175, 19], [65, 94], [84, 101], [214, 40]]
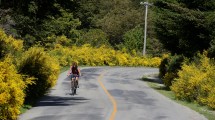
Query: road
[[108, 93]]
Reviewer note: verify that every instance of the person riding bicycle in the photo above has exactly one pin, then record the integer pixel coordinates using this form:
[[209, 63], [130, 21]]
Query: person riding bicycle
[[75, 72]]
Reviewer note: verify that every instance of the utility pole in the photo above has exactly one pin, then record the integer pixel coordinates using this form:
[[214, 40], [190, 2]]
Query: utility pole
[[146, 4]]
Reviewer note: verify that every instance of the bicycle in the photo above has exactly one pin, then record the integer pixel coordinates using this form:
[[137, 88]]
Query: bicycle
[[74, 84]]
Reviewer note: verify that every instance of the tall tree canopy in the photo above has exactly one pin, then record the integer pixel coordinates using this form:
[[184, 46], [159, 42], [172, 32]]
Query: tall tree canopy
[[35, 20], [183, 26], [80, 21], [114, 17]]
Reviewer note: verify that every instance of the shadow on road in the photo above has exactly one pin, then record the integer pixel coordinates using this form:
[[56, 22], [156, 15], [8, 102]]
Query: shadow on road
[[132, 96], [152, 79], [70, 116], [61, 101]]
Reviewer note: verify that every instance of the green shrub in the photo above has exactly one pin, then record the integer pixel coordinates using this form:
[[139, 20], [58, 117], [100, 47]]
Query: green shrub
[[11, 91], [40, 65], [163, 68], [169, 68]]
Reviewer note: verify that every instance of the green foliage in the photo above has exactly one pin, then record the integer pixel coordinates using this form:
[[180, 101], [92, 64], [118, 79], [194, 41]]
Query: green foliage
[[133, 39], [211, 25], [155, 48], [11, 90], [94, 37], [182, 30], [203, 5], [211, 50], [7, 22], [38, 64], [163, 67], [36, 21], [52, 41], [63, 24], [39, 19], [169, 68], [87, 11], [26, 28], [60, 25], [117, 18], [196, 82]]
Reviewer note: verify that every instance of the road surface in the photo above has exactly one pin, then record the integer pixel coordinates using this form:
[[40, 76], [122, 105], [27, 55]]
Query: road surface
[[108, 93]]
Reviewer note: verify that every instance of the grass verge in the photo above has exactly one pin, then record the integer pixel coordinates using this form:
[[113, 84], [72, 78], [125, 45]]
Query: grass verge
[[156, 84], [24, 108]]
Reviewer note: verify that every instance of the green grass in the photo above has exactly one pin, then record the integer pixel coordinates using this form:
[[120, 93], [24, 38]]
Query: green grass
[[208, 113], [24, 108]]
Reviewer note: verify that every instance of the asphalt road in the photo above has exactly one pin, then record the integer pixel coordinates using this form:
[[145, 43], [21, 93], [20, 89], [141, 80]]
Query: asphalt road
[[108, 93]]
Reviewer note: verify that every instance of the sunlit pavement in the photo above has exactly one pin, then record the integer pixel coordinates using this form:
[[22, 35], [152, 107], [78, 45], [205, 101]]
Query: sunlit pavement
[[108, 93]]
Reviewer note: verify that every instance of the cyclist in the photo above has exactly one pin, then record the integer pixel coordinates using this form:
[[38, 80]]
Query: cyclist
[[75, 72]]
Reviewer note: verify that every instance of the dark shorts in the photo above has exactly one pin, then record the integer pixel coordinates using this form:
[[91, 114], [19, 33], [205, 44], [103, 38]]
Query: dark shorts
[[74, 76]]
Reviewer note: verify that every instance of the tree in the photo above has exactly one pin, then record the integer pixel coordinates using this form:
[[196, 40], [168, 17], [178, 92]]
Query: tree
[[86, 11], [133, 39], [94, 37], [203, 5], [180, 29], [211, 25], [35, 20]]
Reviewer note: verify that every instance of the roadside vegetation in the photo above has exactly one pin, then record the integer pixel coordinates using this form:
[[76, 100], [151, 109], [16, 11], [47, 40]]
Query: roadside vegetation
[[26, 75], [101, 56], [156, 83], [40, 37]]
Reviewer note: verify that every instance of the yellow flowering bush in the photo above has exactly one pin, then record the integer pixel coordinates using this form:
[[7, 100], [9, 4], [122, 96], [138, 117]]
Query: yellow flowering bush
[[155, 61], [122, 59], [196, 82], [211, 99], [11, 91], [168, 78], [189, 79], [8, 44], [88, 55], [45, 69]]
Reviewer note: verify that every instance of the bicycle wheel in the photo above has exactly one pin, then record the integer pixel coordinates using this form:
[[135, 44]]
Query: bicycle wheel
[[73, 87]]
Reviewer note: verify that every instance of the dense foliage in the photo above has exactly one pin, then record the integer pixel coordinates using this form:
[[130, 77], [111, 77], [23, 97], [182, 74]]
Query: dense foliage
[[88, 55], [169, 68], [45, 69], [26, 75], [23, 76], [185, 27], [104, 32], [11, 90], [196, 82], [92, 22]]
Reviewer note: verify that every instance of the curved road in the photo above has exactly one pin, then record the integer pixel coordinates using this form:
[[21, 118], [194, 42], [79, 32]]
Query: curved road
[[108, 93]]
